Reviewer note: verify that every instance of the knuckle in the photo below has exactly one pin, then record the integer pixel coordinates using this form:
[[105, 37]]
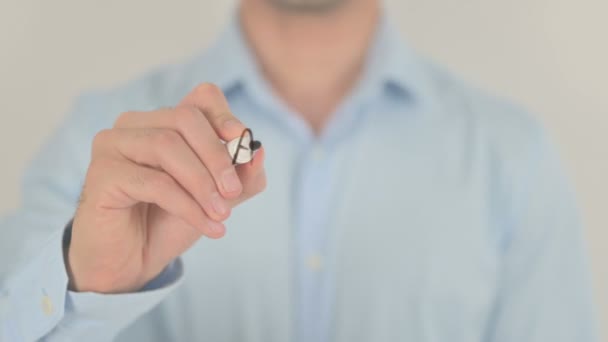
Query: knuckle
[[145, 132], [101, 139], [204, 181], [185, 116], [124, 118], [166, 138], [98, 169], [220, 117]]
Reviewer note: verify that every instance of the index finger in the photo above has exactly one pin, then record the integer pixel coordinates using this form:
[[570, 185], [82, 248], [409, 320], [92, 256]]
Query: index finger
[[210, 100]]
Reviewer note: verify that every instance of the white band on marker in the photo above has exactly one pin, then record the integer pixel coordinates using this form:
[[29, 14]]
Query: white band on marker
[[242, 149]]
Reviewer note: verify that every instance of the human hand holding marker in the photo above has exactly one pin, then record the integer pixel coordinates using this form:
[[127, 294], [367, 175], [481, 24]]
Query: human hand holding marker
[[157, 182]]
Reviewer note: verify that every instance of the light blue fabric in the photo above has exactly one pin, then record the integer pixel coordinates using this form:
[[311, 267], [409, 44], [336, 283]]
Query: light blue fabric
[[426, 211]]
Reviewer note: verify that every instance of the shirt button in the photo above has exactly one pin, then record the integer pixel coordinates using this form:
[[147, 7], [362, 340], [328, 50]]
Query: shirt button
[[314, 263], [47, 305]]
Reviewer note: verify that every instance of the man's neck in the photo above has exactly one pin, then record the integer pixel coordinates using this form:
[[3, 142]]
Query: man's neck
[[312, 61]]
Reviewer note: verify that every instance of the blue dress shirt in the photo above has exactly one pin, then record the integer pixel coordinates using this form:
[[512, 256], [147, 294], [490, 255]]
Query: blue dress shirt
[[425, 211]]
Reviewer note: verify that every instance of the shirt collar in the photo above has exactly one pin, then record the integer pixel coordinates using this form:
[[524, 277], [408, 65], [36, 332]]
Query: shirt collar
[[391, 64], [229, 62]]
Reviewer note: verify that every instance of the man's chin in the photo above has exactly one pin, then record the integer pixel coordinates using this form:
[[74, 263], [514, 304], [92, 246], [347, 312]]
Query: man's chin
[[307, 6]]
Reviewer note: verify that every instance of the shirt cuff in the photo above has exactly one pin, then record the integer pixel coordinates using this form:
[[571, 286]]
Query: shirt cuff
[[39, 300], [105, 315], [36, 293]]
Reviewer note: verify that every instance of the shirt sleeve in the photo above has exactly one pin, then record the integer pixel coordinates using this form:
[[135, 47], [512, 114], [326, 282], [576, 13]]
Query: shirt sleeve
[[34, 301], [39, 306], [545, 285]]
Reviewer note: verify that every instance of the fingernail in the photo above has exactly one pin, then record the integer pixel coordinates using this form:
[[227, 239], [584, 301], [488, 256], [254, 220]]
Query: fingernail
[[215, 227], [219, 205], [231, 181]]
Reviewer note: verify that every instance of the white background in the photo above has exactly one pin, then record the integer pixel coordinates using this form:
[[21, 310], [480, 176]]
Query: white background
[[550, 55]]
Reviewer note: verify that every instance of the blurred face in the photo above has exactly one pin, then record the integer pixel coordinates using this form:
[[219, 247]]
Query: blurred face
[[307, 5]]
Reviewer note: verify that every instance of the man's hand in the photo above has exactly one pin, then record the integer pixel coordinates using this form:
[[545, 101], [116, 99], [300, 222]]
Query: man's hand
[[157, 182]]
